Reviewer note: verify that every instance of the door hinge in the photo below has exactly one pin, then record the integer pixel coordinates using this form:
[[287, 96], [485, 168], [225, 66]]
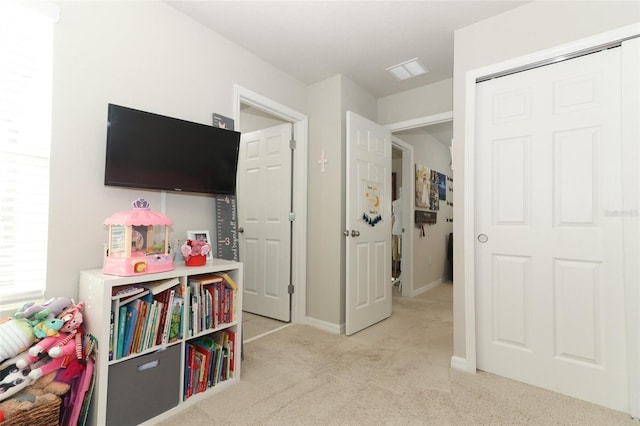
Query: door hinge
[[292, 216], [290, 289], [292, 144]]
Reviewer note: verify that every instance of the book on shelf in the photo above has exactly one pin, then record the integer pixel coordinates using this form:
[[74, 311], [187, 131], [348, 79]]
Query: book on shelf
[[126, 291], [132, 314], [122, 325], [190, 359], [157, 287], [139, 327], [111, 337], [165, 319], [203, 290], [232, 351], [131, 298], [207, 352], [228, 280], [175, 329], [147, 327], [218, 339], [198, 375]]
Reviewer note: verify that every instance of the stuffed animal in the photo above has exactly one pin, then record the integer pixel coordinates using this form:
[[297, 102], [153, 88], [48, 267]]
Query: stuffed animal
[[47, 328], [195, 248], [13, 378], [60, 348], [16, 336], [49, 309]]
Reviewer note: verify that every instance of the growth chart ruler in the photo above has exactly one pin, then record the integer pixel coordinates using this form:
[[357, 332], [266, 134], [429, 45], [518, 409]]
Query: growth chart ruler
[[226, 228]]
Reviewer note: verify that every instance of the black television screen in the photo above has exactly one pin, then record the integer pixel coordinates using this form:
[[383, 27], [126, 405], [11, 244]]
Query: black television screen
[[151, 151]]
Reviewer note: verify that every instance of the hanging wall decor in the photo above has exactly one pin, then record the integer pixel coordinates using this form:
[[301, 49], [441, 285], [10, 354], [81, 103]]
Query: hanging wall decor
[[434, 198], [423, 186], [373, 200], [442, 186]]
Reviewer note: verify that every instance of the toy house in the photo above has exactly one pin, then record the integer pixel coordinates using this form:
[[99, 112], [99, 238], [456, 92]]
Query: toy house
[[138, 242]]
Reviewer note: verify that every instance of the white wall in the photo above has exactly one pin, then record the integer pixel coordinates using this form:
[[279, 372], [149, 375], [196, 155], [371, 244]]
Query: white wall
[[426, 100], [149, 56], [530, 28], [324, 203], [252, 119]]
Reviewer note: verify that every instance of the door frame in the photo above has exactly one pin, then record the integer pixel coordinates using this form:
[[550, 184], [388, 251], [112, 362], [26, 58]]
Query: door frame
[[409, 189], [407, 212], [630, 256], [300, 121]]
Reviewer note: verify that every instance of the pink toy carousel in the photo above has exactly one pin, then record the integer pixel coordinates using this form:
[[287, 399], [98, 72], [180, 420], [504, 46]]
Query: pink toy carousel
[[133, 248]]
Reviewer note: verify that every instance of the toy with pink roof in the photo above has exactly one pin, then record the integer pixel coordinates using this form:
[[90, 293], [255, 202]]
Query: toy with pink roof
[[137, 244]]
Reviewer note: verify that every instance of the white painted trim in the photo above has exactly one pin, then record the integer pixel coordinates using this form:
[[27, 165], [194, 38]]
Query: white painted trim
[[300, 121], [631, 207], [430, 286], [325, 326], [408, 189], [266, 333], [458, 363], [469, 166], [421, 121]]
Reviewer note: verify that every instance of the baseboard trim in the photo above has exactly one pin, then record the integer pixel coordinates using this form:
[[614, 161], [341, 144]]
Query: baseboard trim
[[459, 363], [266, 333], [427, 287], [324, 325]]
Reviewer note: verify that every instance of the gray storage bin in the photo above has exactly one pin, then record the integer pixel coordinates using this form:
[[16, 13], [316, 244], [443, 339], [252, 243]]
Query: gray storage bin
[[143, 387]]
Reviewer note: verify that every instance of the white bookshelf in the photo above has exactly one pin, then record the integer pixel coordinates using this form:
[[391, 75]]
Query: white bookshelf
[[120, 394]]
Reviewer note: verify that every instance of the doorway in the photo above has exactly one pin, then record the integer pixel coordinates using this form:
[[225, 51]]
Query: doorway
[[254, 111], [407, 137]]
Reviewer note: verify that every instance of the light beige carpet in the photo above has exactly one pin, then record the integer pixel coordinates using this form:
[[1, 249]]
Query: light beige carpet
[[393, 373]]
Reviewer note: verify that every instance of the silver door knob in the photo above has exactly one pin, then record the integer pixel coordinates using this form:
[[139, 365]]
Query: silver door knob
[[241, 230], [355, 233], [346, 233], [483, 238]]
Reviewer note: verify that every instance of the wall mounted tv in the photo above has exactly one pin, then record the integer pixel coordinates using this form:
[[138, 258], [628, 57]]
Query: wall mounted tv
[[152, 151]]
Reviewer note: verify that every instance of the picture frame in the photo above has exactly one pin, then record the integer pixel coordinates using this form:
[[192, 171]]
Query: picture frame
[[202, 235]]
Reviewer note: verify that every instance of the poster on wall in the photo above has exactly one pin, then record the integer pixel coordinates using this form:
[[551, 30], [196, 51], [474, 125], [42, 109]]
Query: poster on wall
[[422, 186], [442, 186], [427, 188], [434, 197]]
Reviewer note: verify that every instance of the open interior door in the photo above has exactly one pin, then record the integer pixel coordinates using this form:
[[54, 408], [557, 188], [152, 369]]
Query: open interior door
[[264, 200], [368, 223]]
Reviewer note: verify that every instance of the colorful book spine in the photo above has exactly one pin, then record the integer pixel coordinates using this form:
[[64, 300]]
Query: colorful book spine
[[122, 325]]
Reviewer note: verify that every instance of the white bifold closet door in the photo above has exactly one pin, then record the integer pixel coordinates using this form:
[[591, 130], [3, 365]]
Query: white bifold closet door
[[549, 270]]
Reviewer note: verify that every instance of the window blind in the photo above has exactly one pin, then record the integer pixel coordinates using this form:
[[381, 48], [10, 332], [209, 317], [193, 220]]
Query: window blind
[[26, 56]]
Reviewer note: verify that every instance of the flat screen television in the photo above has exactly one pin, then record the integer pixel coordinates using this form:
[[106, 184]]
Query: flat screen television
[[151, 151]]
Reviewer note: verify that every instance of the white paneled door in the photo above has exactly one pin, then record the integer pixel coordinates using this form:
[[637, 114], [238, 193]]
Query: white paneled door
[[368, 223], [264, 202], [550, 290]]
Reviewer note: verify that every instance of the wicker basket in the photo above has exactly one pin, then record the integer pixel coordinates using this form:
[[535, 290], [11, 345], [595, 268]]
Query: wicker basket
[[44, 412]]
